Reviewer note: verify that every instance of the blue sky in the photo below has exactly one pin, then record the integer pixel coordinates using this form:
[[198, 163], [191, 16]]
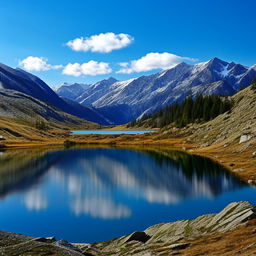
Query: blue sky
[[185, 30]]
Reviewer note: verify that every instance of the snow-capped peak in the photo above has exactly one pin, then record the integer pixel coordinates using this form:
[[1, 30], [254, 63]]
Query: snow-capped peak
[[253, 67], [57, 87], [199, 67], [126, 100]]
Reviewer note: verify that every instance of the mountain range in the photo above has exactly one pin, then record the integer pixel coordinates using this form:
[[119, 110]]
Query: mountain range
[[121, 101], [109, 101]]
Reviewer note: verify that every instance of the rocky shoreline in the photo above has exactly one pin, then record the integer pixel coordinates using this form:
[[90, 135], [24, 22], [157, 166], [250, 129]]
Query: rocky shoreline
[[161, 239]]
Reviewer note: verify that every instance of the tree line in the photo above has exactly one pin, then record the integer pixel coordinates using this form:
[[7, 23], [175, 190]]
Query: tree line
[[190, 110]]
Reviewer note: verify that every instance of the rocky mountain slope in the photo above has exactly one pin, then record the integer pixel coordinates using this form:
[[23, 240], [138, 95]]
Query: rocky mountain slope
[[236, 126], [70, 91], [24, 117], [18, 105], [123, 101], [82, 92], [178, 238], [20, 81]]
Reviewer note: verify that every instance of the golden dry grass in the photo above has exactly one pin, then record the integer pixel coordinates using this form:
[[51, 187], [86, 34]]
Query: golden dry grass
[[242, 164], [241, 241]]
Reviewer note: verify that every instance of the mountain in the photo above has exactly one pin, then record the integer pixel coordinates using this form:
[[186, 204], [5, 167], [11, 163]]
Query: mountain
[[235, 127], [120, 102], [18, 105], [28, 84], [146, 94], [84, 92], [71, 91], [24, 117], [95, 91]]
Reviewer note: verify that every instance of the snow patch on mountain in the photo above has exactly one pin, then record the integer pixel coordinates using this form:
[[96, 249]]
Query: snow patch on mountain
[[225, 71], [146, 94], [121, 85], [253, 67]]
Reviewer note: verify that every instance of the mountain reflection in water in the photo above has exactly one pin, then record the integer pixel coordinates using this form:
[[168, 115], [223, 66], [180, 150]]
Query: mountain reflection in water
[[106, 183]]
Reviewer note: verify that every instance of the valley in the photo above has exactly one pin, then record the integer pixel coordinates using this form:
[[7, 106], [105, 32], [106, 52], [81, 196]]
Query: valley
[[127, 128], [42, 127], [204, 139]]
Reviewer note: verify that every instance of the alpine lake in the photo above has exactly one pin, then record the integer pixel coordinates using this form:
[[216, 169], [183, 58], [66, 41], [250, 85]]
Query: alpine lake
[[89, 194]]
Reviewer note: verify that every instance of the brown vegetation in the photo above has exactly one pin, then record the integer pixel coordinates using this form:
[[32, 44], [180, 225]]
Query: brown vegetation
[[240, 241]]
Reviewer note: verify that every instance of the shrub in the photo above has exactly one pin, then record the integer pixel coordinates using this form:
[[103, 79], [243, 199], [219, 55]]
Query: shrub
[[41, 125]]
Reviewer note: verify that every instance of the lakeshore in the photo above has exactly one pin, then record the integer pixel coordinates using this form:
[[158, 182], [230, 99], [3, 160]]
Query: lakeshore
[[242, 164]]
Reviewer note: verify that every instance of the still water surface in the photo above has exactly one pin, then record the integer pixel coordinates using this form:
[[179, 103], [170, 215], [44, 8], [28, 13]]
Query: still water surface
[[94, 194], [110, 132]]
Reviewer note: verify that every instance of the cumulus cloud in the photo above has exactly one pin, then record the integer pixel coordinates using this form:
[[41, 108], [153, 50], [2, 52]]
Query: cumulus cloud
[[91, 68], [151, 61], [32, 63], [104, 42]]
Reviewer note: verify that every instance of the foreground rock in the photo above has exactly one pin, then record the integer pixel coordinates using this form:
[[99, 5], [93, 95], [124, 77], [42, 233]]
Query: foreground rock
[[162, 239], [17, 245], [171, 237]]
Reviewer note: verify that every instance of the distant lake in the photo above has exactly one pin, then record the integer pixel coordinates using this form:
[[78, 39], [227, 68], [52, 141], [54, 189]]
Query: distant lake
[[110, 132], [95, 194]]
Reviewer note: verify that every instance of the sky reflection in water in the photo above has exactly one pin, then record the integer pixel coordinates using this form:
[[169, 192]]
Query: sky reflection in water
[[95, 194]]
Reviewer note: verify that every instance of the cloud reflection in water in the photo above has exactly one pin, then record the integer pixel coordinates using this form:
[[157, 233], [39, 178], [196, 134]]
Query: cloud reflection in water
[[101, 182], [35, 200]]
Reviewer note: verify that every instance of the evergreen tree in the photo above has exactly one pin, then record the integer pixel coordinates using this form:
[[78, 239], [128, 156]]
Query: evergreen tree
[[201, 108]]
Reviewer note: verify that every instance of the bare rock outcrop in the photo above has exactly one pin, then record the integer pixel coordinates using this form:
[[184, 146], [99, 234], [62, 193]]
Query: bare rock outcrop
[[171, 237]]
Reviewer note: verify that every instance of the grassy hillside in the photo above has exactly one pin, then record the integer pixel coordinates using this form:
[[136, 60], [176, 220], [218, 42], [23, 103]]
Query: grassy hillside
[[227, 128], [20, 130], [24, 117]]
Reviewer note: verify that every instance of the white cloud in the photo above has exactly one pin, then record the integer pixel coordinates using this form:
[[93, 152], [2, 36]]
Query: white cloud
[[104, 42], [91, 68], [151, 61], [123, 64], [32, 63]]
